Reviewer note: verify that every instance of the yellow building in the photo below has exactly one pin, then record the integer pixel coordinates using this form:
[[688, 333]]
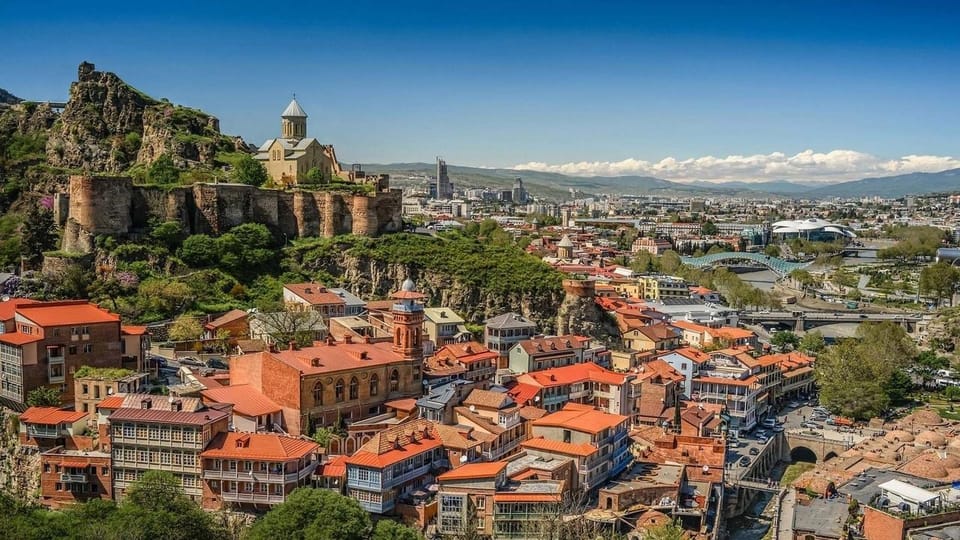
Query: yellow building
[[289, 158]]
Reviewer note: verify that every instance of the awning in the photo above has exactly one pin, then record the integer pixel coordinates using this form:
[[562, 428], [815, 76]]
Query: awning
[[77, 464]]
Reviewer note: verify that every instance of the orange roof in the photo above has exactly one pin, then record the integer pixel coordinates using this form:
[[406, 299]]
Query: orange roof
[[732, 382], [9, 308], [695, 355], [314, 294], [330, 358], [522, 393], [406, 404], [369, 459], [246, 400], [552, 345], [658, 369], [730, 332], [226, 318], [50, 416], [16, 338], [581, 419], [267, 446], [560, 447], [474, 471], [129, 330], [574, 373], [395, 444], [337, 466], [66, 313], [466, 353], [112, 402], [690, 326]]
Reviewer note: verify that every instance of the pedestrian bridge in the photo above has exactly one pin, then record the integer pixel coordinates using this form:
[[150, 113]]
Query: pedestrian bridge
[[776, 264]]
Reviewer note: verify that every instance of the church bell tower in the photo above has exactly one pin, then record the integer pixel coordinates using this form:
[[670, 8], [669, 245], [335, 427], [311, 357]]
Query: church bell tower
[[408, 321], [293, 121]]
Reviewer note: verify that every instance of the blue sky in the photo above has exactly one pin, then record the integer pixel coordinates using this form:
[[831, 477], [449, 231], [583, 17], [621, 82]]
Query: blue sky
[[807, 90]]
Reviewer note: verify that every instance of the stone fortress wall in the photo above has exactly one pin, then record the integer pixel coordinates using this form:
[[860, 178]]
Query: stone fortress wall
[[115, 206]]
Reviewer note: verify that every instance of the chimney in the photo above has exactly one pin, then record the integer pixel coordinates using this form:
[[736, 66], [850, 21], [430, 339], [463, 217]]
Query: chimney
[[176, 405], [291, 345], [330, 340], [348, 339], [146, 403], [308, 290], [315, 362]]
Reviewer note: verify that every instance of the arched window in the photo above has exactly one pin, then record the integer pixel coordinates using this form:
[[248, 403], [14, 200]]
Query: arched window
[[395, 381], [318, 393], [354, 388], [374, 384], [339, 390]]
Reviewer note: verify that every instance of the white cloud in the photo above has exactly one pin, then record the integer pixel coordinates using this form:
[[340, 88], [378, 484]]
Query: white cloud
[[836, 165]]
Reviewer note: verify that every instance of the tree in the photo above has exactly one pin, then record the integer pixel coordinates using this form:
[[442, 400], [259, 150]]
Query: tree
[[643, 262], [670, 262], [812, 342], [185, 328], [246, 249], [199, 250], [952, 393], [785, 340], [898, 386], [717, 248], [666, 531], [163, 171], [391, 530], [248, 170], [315, 175], [282, 325], [852, 384], [155, 506], [37, 234], [708, 228], [313, 514], [43, 396], [169, 234], [939, 280], [888, 345], [772, 250]]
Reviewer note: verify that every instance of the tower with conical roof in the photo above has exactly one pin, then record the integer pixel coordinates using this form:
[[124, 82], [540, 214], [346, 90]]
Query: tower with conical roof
[[293, 121]]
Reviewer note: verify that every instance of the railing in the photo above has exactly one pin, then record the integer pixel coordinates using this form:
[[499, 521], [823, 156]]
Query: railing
[[118, 439], [73, 478], [258, 476], [409, 475], [252, 497]]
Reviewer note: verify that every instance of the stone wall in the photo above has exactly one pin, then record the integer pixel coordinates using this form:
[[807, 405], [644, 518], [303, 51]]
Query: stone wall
[[115, 206]]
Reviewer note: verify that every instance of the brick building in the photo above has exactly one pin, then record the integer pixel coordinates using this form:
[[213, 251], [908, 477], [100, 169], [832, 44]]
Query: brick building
[[91, 385], [340, 380], [470, 360], [71, 476], [49, 342]]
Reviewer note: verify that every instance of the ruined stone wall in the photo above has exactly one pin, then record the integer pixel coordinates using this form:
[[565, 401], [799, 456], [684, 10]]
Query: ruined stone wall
[[114, 206]]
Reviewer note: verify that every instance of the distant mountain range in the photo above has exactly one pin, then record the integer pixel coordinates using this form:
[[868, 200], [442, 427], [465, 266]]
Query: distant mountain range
[[558, 186], [8, 98]]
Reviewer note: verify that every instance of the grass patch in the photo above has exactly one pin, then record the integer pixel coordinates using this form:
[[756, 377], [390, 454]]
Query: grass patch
[[794, 471]]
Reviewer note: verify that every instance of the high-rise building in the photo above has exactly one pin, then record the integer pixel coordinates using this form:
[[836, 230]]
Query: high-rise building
[[443, 189], [519, 192]]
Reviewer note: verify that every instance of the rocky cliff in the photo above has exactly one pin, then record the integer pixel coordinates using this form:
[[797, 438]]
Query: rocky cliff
[[7, 98], [110, 126]]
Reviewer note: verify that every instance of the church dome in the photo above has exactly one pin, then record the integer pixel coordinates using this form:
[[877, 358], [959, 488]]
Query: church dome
[[294, 110], [408, 286]]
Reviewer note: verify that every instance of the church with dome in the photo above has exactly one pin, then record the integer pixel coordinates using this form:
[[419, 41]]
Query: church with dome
[[291, 156]]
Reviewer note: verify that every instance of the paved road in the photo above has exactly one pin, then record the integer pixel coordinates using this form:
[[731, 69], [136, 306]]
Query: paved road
[[785, 529]]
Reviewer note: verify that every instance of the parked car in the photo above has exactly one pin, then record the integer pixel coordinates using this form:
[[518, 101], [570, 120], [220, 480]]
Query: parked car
[[831, 422], [793, 404], [762, 439], [754, 451], [217, 363], [769, 423], [191, 361], [744, 461], [777, 428]]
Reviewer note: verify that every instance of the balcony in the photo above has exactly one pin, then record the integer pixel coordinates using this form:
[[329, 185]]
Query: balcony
[[259, 476], [55, 373], [144, 441], [252, 497], [407, 476], [73, 478], [42, 432]]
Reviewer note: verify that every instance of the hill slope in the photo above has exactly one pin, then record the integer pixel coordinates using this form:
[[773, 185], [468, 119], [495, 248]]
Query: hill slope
[[891, 187]]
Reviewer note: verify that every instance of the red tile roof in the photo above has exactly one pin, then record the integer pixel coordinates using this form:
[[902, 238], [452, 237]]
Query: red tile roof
[[466, 353], [522, 393], [16, 338], [8, 308], [129, 330], [246, 400], [337, 467], [553, 345], [474, 471], [112, 402], [574, 373], [315, 294], [331, 358], [560, 447], [231, 316], [66, 313], [581, 418], [265, 446], [694, 355], [406, 404], [658, 371], [396, 444], [50, 416]]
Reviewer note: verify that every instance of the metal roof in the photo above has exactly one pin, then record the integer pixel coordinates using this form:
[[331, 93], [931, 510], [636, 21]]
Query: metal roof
[[294, 110]]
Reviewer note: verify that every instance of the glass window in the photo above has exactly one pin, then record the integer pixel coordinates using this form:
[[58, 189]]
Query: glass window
[[374, 384], [318, 393], [338, 390], [354, 388]]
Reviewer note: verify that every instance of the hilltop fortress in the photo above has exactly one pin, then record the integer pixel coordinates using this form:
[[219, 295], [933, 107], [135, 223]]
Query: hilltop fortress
[[101, 205]]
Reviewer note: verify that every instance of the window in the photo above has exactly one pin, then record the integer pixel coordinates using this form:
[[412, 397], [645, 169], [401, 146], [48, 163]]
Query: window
[[88, 347], [46, 467], [338, 390], [86, 390], [354, 388], [318, 393], [374, 384], [395, 381]]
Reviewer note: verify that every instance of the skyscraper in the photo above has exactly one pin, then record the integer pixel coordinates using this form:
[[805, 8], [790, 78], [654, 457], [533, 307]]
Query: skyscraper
[[519, 192], [444, 189]]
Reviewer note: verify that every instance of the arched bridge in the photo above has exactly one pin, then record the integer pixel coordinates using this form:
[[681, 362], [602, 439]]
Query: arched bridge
[[777, 265], [800, 445]]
